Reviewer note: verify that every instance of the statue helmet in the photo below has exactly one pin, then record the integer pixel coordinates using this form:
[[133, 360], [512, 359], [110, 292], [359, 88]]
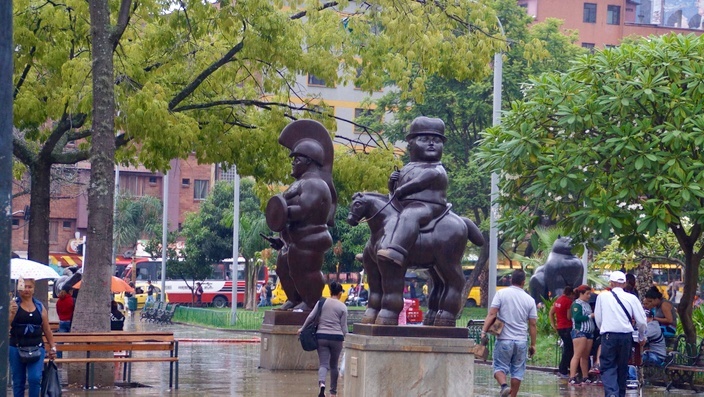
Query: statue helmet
[[309, 148], [426, 126]]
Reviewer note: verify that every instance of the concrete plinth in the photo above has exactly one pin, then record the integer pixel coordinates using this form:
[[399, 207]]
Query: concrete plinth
[[280, 348], [389, 366]]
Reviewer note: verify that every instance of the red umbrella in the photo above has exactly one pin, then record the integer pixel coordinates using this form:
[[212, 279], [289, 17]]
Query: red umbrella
[[117, 285]]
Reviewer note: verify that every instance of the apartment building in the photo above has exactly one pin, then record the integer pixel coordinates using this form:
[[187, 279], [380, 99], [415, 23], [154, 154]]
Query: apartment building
[[189, 184], [603, 23]]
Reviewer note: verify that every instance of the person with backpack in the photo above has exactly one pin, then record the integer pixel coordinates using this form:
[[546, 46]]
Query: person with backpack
[[29, 323]]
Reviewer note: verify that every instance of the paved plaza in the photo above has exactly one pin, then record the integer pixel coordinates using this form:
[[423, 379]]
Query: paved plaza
[[212, 365]]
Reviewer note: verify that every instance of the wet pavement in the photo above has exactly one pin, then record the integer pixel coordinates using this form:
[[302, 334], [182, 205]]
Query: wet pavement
[[225, 363]]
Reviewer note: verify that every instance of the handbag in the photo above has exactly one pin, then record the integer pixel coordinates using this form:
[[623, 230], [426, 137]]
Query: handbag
[[496, 327], [51, 382], [29, 354], [308, 337]]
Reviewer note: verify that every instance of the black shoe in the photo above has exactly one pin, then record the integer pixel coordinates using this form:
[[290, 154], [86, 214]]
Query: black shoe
[[322, 390]]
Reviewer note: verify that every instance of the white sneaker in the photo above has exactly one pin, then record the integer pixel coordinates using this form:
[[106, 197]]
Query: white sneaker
[[632, 384], [505, 391]]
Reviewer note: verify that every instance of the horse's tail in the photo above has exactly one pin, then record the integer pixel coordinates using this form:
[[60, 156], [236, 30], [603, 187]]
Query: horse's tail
[[474, 234]]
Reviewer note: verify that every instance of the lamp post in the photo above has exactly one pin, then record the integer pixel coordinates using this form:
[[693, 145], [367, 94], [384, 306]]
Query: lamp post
[[235, 246], [496, 120]]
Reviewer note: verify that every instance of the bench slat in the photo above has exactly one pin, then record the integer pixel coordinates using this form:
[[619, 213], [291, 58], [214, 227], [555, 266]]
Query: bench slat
[[114, 360], [114, 347], [68, 338]]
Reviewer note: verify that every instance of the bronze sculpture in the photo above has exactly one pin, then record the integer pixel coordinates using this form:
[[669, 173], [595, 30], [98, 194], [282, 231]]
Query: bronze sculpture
[[561, 269], [302, 214], [415, 228]]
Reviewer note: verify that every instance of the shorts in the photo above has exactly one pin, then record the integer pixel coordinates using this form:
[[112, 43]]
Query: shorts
[[510, 357], [579, 334]]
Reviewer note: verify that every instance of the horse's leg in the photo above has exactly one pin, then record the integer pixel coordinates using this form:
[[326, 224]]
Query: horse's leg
[[434, 297], [392, 282], [371, 268], [449, 267]]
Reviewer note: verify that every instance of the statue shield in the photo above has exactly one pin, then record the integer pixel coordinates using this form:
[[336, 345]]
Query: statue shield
[[275, 213]]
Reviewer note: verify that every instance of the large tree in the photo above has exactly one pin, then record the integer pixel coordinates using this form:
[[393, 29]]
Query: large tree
[[613, 147], [466, 108]]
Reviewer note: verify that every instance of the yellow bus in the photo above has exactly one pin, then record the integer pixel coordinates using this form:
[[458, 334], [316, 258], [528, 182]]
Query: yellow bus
[[503, 280]]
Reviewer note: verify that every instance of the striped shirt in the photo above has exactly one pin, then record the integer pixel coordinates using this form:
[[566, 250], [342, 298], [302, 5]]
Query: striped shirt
[[581, 316]]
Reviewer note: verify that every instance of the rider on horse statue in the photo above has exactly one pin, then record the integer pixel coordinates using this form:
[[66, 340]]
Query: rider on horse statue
[[419, 188]]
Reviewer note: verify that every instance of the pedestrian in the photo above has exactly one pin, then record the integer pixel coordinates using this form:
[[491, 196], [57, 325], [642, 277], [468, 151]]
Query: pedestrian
[[64, 309], [664, 310], [517, 310], [199, 293], [656, 350], [631, 285], [582, 335], [29, 321], [560, 321], [150, 292], [617, 314], [332, 328], [269, 293], [117, 319], [412, 289]]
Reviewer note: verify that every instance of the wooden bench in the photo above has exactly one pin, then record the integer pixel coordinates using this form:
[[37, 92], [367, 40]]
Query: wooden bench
[[683, 363], [123, 344]]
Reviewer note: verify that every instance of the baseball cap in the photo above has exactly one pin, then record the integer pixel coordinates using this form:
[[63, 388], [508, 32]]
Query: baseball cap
[[617, 277]]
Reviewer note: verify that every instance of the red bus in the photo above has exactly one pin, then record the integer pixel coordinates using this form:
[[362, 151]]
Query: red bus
[[217, 289]]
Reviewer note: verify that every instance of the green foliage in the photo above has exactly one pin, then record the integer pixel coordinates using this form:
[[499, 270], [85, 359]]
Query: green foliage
[[613, 146], [352, 239], [137, 218]]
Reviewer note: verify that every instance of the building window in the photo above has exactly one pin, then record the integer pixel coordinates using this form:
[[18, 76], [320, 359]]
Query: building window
[[152, 180], [588, 45], [314, 80], [200, 189], [15, 222], [67, 225], [589, 12], [185, 182], [132, 185], [613, 15], [358, 115]]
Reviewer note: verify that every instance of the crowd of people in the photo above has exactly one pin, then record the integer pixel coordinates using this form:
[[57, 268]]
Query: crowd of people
[[600, 334]]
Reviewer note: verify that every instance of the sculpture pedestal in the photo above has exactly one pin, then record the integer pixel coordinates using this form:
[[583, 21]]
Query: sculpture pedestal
[[280, 348], [421, 361]]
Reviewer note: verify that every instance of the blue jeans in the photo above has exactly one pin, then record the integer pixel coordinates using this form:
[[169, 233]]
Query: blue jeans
[[22, 373], [510, 357], [65, 327], [615, 351]]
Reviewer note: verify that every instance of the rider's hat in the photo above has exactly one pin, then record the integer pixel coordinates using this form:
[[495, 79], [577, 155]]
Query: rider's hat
[[426, 126], [311, 149]]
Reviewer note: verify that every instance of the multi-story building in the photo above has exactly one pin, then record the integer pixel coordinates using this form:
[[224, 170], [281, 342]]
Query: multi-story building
[[189, 184], [603, 23]]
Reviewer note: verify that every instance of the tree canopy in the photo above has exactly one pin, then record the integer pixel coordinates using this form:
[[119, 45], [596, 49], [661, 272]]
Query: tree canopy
[[613, 146]]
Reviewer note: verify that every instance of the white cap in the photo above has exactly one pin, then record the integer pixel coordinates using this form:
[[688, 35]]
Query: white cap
[[617, 277]]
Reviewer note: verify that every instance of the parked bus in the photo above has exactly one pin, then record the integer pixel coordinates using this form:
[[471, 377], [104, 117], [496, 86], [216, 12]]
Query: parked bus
[[503, 280], [217, 289]]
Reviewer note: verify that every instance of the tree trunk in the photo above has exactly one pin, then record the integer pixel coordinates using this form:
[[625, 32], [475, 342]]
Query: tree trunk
[[684, 310], [644, 277], [38, 239], [93, 305]]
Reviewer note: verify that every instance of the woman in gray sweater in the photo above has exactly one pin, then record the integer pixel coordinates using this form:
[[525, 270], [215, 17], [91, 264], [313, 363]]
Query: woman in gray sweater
[[332, 327]]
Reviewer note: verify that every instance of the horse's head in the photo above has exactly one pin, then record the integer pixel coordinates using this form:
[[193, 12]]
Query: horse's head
[[358, 209]]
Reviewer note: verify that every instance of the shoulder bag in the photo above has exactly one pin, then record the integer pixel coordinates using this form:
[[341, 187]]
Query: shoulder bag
[[308, 337]]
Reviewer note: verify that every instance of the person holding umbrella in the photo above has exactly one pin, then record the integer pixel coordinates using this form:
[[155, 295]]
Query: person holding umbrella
[[29, 321]]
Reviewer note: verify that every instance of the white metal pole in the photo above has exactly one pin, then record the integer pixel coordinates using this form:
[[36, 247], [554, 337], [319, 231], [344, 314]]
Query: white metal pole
[[164, 236], [493, 230], [235, 244], [114, 216], [585, 263]]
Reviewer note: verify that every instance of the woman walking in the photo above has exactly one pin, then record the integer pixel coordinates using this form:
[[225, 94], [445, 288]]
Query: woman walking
[[582, 335], [332, 328], [29, 320]]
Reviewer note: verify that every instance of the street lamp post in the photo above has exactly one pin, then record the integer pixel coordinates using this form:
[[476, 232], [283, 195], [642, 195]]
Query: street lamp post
[[496, 120]]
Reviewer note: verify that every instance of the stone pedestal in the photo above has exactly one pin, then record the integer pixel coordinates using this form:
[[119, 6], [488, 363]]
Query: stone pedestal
[[420, 361], [280, 348]]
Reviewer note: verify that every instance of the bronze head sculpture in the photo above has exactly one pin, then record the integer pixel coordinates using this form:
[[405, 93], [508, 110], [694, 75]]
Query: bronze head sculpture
[[302, 214], [415, 228]]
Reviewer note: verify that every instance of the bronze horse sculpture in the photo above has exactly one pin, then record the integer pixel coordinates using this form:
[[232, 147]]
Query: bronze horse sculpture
[[439, 248]]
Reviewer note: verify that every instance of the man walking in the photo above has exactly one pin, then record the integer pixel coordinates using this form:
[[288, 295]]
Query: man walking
[[617, 314], [517, 310]]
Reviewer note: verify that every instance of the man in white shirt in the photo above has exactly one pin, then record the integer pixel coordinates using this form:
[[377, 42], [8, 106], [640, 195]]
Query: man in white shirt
[[617, 325], [517, 310]]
